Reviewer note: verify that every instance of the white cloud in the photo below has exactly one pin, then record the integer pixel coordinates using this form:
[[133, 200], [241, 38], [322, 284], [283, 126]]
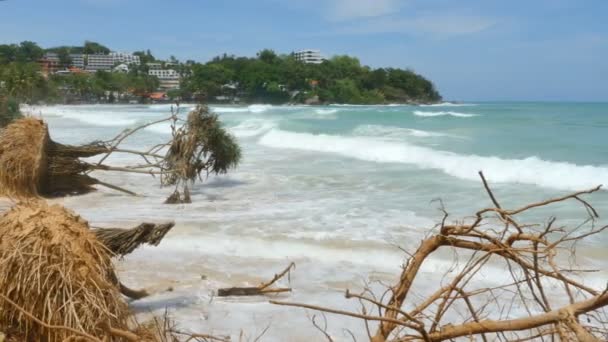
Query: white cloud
[[352, 9]]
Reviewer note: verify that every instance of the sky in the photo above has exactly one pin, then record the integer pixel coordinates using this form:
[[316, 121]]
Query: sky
[[476, 50]]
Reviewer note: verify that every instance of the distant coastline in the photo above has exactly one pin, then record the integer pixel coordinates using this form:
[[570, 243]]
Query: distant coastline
[[92, 73]]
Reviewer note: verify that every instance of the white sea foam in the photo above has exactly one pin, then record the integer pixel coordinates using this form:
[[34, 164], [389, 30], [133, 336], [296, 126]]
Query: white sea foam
[[252, 128], [255, 108], [91, 117], [230, 109], [531, 170], [258, 108], [449, 104], [162, 128], [393, 132], [442, 113], [326, 111]]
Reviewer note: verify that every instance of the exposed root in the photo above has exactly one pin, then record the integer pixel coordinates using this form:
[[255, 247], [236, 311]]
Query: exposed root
[[124, 241], [53, 267]]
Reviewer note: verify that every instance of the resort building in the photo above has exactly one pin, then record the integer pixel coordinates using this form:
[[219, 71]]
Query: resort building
[[99, 62], [309, 56], [126, 58], [90, 63], [154, 66], [168, 78]]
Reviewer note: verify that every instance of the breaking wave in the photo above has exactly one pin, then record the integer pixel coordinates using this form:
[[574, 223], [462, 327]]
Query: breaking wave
[[431, 114], [531, 170], [449, 104], [393, 132], [326, 111], [96, 117], [252, 128]]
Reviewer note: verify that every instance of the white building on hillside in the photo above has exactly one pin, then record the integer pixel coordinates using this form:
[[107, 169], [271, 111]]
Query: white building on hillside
[[99, 62], [169, 78], [126, 58], [309, 56]]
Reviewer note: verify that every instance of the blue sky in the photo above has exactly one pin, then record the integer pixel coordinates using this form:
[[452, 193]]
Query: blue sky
[[471, 49]]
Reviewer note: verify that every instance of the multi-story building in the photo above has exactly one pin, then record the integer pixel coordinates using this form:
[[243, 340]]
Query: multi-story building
[[99, 62], [126, 58], [90, 63], [168, 78], [309, 56], [154, 66]]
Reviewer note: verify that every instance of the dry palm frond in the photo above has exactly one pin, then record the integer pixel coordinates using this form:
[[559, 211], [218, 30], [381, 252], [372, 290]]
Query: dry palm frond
[[53, 267]]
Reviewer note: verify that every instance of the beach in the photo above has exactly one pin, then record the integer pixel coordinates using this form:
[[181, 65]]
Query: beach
[[338, 190]]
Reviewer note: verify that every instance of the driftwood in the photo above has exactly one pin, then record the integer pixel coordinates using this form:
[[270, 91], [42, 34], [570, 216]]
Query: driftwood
[[262, 289], [124, 241], [556, 305]]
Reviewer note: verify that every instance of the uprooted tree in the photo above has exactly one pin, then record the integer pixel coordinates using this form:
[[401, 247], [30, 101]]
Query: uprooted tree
[[58, 282], [32, 164], [542, 299]]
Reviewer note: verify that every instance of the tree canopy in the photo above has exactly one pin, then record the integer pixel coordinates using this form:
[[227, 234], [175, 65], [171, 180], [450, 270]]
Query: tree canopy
[[281, 78], [268, 78]]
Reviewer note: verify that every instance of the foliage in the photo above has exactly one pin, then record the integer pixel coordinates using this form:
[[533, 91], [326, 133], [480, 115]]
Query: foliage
[[145, 56], [23, 81], [93, 48], [25, 52], [280, 78], [200, 145], [268, 78], [9, 110]]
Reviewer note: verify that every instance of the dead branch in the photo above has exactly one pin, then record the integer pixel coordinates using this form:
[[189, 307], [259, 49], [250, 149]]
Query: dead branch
[[262, 289], [530, 252]]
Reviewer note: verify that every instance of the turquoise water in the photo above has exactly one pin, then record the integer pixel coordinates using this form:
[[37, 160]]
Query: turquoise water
[[335, 188], [384, 161]]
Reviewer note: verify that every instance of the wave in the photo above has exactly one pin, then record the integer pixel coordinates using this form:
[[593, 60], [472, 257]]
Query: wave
[[326, 111], [230, 109], [255, 108], [95, 118], [259, 108], [432, 114], [252, 128], [531, 170], [449, 104], [393, 132]]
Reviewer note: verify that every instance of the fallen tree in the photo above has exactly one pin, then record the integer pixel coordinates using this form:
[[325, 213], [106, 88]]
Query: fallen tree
[[32, 164], [53, 268], [542, 300]]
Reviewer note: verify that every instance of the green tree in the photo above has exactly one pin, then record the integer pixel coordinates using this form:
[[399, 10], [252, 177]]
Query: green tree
[[93, 48], [268, 56], [64, 57], [29, 52], [9, 110], [23, 81]]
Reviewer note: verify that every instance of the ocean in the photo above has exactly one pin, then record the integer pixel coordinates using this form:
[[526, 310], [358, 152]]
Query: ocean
[[338, 190]]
